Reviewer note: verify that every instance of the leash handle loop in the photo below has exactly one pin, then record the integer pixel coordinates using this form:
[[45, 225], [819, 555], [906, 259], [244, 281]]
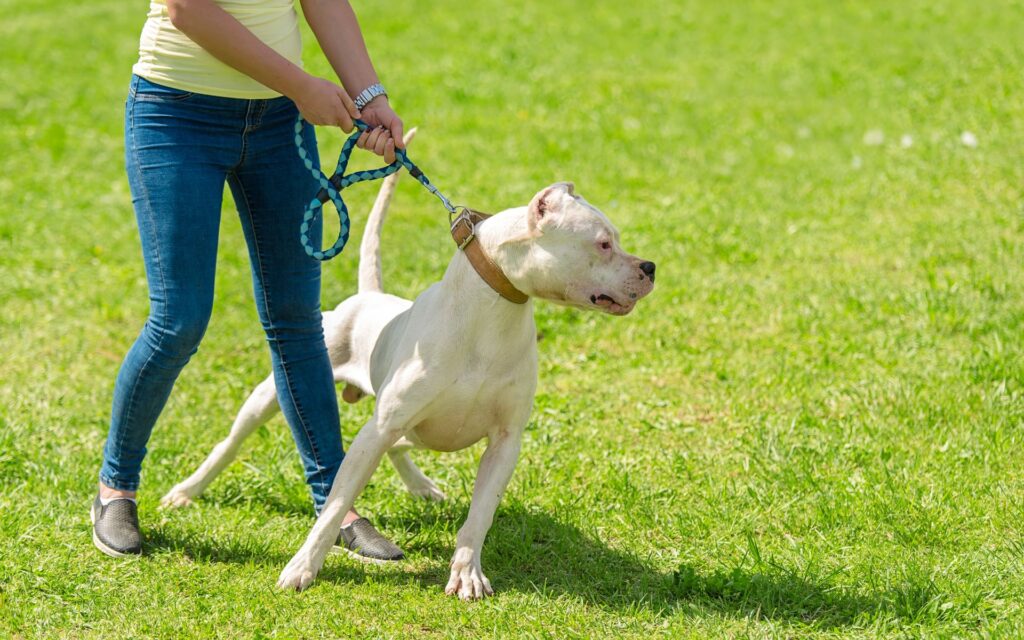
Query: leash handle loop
[[330, 189]]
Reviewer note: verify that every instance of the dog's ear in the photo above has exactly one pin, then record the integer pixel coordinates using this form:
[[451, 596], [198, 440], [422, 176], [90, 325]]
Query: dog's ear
[[549, 202]]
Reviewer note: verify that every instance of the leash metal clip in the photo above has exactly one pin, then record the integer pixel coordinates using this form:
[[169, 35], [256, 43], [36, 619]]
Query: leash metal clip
[[444, 201]]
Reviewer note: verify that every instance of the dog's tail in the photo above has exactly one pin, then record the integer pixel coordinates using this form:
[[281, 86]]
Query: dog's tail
[[370, 277]]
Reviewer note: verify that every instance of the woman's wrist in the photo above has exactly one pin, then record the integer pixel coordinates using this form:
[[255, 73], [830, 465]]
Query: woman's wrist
[[296, 83], [377, 101], [369, 94]]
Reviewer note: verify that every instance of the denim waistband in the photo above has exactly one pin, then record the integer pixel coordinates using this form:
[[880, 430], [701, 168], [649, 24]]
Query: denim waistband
[[141, 89]]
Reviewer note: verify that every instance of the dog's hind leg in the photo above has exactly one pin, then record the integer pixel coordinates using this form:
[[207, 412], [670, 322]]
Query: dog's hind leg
[[259, 407], [415, 480]]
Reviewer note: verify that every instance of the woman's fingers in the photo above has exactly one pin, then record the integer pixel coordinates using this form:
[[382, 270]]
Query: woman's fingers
[[376, 141], [346, 111], [344, 120], [381, 142], [350, 106], [369, 139], [398, 132]]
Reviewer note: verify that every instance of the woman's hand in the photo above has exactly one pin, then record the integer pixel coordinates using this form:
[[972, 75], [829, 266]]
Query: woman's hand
[[386, 129], [321, 102]]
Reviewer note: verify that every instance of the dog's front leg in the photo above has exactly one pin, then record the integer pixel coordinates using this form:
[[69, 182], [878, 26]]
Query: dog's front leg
[[496, 466], [361, 460]]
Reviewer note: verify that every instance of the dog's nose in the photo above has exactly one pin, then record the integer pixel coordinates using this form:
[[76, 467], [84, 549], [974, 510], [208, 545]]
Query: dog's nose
[[648, 268]]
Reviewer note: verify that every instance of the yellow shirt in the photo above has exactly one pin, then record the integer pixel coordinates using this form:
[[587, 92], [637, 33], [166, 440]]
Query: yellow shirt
[[168, 57]]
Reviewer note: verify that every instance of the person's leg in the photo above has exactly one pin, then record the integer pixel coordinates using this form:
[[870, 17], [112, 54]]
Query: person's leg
[[271, 187], [176, 170]]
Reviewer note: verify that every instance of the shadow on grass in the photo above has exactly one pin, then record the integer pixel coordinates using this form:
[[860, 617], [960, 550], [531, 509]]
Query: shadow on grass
[[201, 547], [531, 552]]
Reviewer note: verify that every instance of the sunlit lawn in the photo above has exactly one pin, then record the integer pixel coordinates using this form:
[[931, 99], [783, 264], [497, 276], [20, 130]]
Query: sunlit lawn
[[813, 426]]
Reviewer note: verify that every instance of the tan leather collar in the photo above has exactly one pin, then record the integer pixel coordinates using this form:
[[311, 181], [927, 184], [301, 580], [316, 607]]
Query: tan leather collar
[[463, 233]]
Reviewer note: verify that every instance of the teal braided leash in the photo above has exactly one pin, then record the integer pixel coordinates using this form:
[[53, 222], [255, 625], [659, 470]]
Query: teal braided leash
[[330, 190]]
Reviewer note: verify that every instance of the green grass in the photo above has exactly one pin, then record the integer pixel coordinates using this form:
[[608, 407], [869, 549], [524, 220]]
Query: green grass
[[814, 427]]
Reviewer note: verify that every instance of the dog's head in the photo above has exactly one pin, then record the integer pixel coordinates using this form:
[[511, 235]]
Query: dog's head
[[573, 257]]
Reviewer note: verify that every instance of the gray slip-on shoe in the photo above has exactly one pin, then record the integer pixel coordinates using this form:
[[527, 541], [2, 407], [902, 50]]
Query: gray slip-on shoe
[[115, 527], [364, 543]]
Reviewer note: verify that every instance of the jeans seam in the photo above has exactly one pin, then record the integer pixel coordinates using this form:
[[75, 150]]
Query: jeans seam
[[160, 270], [241, 154], [262, 111], [152, 97], [266, 304], [257, 118]]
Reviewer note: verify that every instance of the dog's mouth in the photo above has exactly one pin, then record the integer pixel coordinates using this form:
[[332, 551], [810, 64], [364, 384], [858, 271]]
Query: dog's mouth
[[609, 304]]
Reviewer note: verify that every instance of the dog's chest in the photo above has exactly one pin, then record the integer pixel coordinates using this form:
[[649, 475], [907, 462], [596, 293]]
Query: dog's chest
[[473, 407]]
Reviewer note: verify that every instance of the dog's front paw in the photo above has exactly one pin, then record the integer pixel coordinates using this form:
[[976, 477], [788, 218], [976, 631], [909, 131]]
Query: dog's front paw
[[467, 578], [297, 575], [175, 498]]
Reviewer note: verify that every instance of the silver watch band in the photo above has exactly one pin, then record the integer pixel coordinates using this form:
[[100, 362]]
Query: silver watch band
[[369, 93]]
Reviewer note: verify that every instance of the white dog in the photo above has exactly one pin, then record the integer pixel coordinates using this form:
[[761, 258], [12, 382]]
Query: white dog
[[457, 365]]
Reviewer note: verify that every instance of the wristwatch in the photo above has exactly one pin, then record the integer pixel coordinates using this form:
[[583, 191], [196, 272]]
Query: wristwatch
[[369, 93]]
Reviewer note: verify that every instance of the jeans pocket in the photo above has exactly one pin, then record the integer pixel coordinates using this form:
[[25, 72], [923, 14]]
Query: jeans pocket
[[145, 91]]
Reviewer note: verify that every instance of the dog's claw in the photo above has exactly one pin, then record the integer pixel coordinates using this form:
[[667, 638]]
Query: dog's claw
[[468, 580], [295, 578]]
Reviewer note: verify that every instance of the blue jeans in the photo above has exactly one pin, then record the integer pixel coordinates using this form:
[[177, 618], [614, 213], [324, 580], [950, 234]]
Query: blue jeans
[[181, 147]]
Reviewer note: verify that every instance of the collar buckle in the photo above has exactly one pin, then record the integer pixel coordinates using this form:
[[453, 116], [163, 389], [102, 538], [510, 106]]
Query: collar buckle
[[468, 228]]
